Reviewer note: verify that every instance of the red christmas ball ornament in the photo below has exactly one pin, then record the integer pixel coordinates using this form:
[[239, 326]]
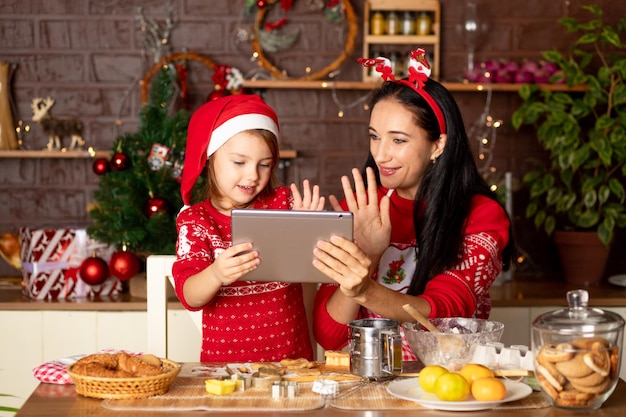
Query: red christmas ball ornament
[[261, 3], [156, 205], [101, 166], [124, 265], [120, 161], [94, 270]]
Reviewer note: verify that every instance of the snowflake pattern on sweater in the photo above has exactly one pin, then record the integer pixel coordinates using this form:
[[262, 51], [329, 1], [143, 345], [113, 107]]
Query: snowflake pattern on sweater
[[246, 320]]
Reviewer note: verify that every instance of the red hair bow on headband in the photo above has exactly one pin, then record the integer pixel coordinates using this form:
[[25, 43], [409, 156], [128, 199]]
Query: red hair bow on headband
[[419, 72], [419, 68], [380, 64]]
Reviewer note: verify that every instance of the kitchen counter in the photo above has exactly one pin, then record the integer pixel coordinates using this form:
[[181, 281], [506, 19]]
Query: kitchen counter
[[121, 322], [62, 400], [516, 293], [537, 293]]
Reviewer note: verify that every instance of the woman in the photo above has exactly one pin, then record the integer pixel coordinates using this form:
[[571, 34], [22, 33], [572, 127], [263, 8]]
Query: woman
[[428, 231]]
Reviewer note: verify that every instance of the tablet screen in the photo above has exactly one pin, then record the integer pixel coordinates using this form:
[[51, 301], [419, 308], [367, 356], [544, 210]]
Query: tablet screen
[[285, 240]]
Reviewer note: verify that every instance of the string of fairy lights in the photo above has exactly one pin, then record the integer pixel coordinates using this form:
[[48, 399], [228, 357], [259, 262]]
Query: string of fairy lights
[[484, 132]]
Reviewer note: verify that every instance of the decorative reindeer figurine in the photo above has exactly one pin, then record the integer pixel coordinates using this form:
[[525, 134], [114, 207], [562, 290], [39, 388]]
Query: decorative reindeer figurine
[[56, 127]]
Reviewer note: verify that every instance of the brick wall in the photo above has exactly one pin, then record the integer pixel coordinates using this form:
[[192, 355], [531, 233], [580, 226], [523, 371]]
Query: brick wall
[[89, 56]]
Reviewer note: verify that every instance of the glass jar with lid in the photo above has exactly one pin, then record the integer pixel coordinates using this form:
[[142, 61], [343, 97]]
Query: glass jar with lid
[[408, 23], [377, 23], [393, 23], [424, 24], [578, 353]]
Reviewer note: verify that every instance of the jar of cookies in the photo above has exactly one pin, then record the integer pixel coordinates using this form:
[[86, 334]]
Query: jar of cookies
[[578, 353]]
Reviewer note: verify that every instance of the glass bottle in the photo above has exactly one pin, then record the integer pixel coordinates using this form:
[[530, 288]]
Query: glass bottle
[[393, 23], [424, 24], [396, 62], [372, 70], [408, 23], [377, 23]]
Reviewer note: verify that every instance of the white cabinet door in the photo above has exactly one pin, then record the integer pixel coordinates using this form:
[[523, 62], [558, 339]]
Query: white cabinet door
[[125, 330], [20, 351], [183, 337], [69, 333]]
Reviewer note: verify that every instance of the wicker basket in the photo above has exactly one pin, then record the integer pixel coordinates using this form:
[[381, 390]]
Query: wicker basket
[[125, 388]]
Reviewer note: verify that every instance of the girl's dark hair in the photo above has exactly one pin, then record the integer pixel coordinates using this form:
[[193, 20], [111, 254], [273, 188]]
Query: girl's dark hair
[[443, 199]]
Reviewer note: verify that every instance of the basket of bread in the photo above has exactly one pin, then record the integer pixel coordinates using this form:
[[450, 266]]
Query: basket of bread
[[122, 376]]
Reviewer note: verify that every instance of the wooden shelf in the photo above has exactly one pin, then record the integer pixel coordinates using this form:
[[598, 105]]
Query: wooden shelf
[[366, 85], [54, 154], [504, 87], [309, 85], [400, 39], [41, 154]]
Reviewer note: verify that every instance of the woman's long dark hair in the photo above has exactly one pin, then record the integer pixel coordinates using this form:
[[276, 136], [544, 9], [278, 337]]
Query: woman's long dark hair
[[443, 199]]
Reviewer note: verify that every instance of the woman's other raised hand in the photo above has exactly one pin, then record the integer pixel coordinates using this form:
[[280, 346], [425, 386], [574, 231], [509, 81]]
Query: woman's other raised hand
[[372, 224]]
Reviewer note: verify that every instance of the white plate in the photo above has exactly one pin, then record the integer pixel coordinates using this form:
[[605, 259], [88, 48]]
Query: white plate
[[409, 389], [618, 280]]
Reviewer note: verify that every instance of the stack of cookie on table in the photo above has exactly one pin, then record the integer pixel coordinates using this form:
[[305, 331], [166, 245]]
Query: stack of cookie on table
[[336, 366], [579, 373]]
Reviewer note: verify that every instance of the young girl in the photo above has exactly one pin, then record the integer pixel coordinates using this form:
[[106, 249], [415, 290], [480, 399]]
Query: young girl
[[236, 137], [429, 231]]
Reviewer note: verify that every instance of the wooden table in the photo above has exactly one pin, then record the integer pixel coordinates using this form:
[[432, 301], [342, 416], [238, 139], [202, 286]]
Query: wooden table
[[50, 400]]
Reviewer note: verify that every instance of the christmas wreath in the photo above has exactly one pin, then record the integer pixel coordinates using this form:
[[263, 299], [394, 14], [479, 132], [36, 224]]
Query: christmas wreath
[[333, 8], [225, 78]]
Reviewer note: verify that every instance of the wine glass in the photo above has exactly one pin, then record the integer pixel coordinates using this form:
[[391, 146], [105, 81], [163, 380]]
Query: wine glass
[[472, 32]]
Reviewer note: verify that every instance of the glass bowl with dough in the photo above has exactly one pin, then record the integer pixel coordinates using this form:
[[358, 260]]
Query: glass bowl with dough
[[454, 345]]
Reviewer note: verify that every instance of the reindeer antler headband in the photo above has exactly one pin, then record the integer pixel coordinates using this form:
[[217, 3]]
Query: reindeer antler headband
[[419, 71]]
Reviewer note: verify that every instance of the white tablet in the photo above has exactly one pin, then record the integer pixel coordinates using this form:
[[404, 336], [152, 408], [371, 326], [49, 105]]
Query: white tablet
[[285, 240]]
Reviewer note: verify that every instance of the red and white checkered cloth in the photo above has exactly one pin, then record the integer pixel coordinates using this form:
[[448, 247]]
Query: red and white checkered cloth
[[54, 372]]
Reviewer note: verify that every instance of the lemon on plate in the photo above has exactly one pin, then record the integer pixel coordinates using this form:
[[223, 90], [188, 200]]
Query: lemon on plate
[[488, 388], [452, 386], [428, 375], [473, 371]]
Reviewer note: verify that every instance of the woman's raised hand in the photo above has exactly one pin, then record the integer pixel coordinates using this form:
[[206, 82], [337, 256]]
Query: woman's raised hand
[[372, 225], [310, 198]]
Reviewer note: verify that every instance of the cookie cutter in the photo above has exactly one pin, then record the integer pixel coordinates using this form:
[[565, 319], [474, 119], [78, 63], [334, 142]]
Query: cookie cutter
[[285, 389], [242, 382], [265, 377]]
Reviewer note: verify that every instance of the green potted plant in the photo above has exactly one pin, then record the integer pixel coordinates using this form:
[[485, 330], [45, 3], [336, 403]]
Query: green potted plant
[[584, 131], [6, 408]]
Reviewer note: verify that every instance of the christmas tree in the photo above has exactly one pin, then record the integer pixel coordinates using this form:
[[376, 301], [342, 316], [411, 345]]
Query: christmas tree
[[138, 196]]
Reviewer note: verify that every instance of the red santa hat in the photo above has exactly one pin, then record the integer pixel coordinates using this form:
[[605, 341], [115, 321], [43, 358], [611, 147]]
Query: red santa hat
[[213, 124]]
